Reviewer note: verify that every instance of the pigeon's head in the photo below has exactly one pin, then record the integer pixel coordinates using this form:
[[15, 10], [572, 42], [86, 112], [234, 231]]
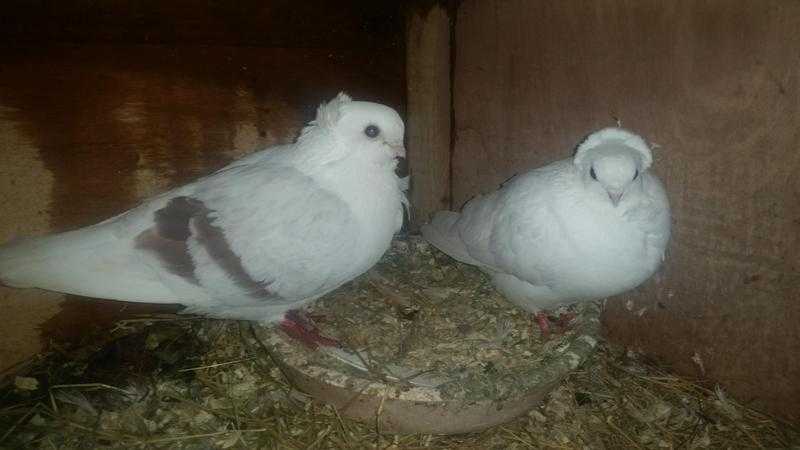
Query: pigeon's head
[[369, 129], [612, 161]]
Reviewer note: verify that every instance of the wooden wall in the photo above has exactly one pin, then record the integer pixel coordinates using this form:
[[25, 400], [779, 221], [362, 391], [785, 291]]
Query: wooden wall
[[716, 85], [103, 104]]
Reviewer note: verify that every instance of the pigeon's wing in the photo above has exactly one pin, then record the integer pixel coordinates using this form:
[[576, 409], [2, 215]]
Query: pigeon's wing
[[467, 236], [442, 232], [236, 239], [658, 219], [256, 238], [528, 238], [506, 231]]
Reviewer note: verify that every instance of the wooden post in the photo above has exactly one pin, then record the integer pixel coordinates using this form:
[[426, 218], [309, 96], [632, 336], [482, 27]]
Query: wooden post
[[429, 111]]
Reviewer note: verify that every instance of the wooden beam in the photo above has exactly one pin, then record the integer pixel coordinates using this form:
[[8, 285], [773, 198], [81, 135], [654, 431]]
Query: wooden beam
[[429, 111]]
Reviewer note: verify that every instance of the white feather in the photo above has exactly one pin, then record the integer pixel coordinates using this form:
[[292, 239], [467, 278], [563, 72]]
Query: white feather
[[554, 235]]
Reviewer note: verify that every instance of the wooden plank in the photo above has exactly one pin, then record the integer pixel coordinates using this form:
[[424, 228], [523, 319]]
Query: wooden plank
[[429, 111], [715, 84]]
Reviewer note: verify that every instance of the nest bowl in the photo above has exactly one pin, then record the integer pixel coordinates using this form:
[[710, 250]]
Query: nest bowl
[[428, 346]]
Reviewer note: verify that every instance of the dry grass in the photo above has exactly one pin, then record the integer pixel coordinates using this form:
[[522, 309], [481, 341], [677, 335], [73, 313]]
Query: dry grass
[[231, 396], [419, 312]]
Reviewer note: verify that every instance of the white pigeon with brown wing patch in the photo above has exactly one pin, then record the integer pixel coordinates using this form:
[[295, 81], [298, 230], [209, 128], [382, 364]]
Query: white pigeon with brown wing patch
[[582, 228], [262, 236]]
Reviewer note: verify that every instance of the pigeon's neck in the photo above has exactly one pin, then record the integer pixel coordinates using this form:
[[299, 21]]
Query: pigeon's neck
[[363, 176], [363, 179]]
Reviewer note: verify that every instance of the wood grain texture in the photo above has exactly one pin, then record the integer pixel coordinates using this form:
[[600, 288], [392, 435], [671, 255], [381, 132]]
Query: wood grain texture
[[429, 111], [716, 85]]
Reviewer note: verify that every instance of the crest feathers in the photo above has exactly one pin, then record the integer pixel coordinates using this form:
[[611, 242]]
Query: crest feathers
[[328, 113], [605, 135]]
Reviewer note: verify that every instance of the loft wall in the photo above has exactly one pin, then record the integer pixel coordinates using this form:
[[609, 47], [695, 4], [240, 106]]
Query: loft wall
[[716, 85]]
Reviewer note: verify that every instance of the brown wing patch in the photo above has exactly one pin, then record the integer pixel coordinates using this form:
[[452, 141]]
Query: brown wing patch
[[168, 239], [213, 239]]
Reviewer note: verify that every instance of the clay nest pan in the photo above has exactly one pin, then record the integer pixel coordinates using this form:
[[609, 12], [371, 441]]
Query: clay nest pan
[[428, 346]]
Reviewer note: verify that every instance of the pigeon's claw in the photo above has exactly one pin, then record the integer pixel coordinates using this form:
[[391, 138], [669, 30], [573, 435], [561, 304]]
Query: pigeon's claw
[[563, 323], [298, 326], [544, 324]]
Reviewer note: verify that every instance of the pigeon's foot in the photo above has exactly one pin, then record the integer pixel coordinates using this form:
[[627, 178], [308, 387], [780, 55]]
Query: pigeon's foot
[[298, 326], [544, 324], [563, 323]]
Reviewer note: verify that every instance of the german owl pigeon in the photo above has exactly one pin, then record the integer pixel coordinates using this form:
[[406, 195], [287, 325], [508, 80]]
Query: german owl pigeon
[[582, 228], [260, 237]]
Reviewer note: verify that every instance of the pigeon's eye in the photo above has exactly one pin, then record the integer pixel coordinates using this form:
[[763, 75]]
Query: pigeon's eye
[[593, 174], [636, 174], [372, 131]]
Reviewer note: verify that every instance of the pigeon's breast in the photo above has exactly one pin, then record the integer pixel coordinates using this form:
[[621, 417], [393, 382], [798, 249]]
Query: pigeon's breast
[[374, 201], [603, 254]]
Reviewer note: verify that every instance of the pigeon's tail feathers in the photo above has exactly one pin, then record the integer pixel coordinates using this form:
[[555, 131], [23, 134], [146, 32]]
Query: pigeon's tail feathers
[[21, 261], [442, 232], [92, 262]]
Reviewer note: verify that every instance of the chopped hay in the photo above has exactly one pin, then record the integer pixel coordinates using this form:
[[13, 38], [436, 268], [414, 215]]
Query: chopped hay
[[231, 397], [187, 383], [420, 316]]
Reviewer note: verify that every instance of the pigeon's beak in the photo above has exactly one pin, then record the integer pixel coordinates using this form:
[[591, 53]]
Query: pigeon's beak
[[398, 150], [615, 197]]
